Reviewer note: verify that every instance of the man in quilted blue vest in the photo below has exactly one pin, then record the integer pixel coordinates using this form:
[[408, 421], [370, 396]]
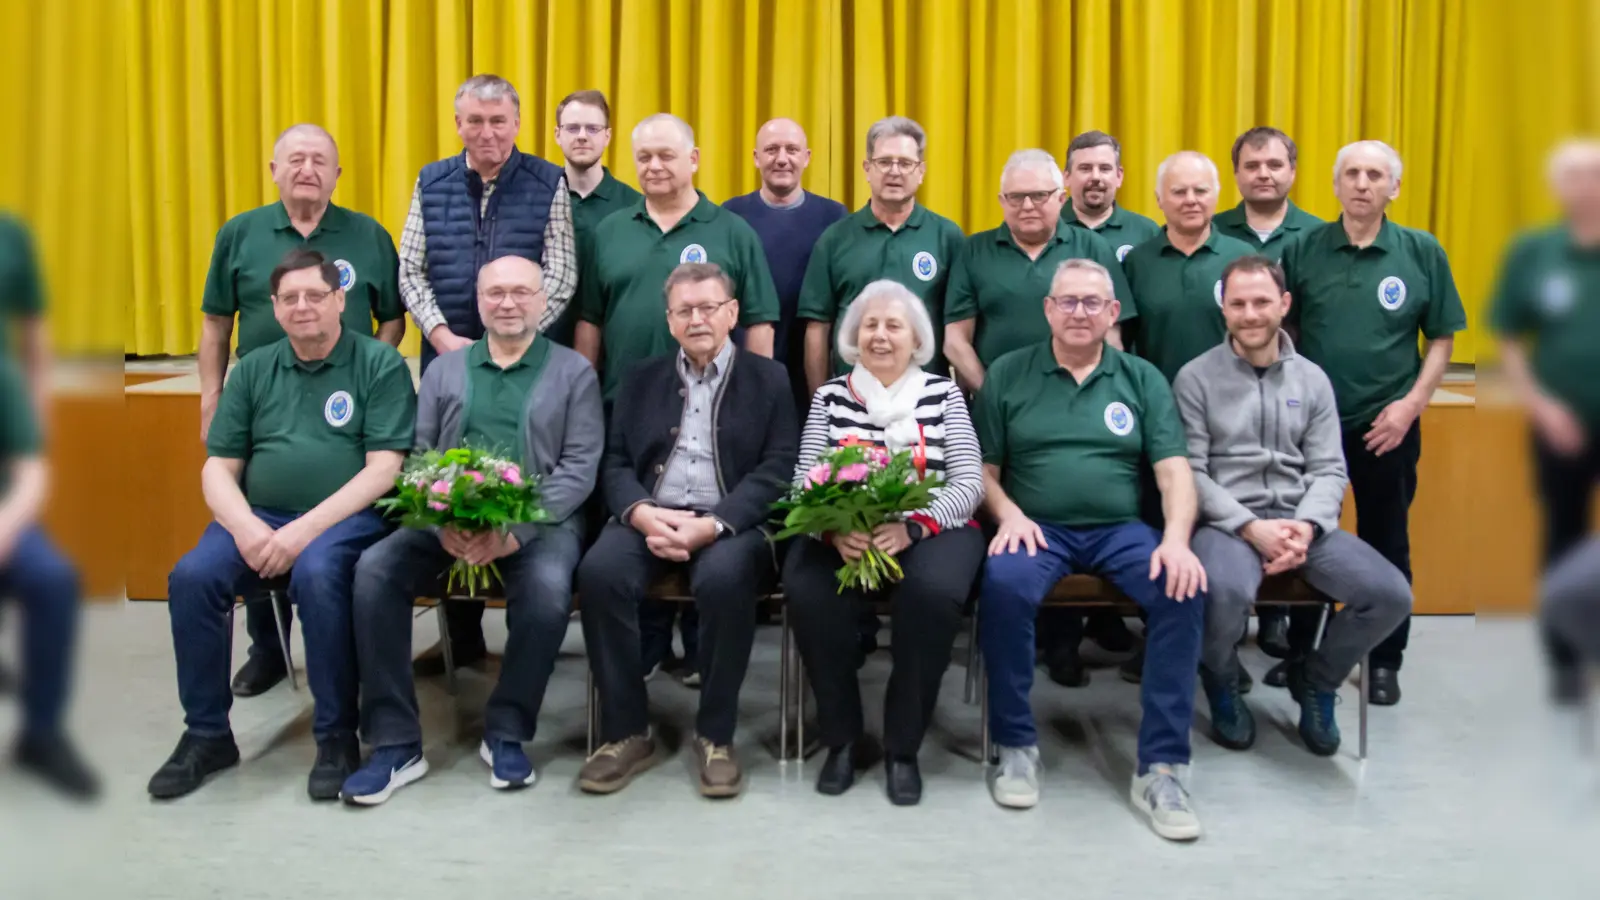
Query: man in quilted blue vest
[[490, 200]]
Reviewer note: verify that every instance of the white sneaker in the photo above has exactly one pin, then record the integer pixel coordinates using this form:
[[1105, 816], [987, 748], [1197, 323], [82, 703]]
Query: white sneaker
[[1161, 796], [1014, 783]]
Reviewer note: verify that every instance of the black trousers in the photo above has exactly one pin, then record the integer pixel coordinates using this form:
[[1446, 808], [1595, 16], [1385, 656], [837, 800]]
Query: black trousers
[[726, 578], [1384, 487], [925, 614], [1566, 491]]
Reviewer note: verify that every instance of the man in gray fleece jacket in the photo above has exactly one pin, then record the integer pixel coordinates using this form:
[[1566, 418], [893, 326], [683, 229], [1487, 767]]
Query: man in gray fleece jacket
[[512, 390], [1268, 461]]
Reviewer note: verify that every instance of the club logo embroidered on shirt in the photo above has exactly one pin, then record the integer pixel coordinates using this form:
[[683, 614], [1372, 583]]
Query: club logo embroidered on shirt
[[694, 253], [347, 274], [1293, 402], [1119, 419], [339, 408], [924, 266], [1392, 293], [1122, 252], [1217, 290], [1556, 294]]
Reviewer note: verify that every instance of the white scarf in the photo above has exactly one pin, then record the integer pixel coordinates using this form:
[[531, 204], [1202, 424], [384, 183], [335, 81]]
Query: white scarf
[[892, 408]]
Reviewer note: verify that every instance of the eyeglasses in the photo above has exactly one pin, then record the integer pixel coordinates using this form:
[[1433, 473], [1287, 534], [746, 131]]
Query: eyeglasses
[[892, 164], [521, 294], [1039, 198], [311, 297], [705, 311], [1091, 305], [575, 129]]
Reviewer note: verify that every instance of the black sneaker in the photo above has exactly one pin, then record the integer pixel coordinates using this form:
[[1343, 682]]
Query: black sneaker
[[1317, 726], [338, 758], [1232, 724], [431, 663], [259, 674], [1110, 632], [194, 760], [57, 762], [1066, 667], [1272, 635], [1569, 685]]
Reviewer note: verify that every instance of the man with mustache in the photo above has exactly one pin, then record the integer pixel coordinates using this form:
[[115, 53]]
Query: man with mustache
[[1365, 288], [1094, 175], [488, 201], [891, 236], [305, 167], [583, 131], [1264, 167]]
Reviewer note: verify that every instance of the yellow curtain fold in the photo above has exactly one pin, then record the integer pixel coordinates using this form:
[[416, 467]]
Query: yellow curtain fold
[[1471, 94]]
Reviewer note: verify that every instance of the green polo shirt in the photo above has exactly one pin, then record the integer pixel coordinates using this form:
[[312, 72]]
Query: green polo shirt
[[1069, 453], [251, 244], [1179, 297], [588, 212], [498, 398], [305, 429], [21, 288], [1124, 230], [620, 289], [19, 430], [1359, 310], [1232, 222], [1549, 291], [858, 250], [996, 283]]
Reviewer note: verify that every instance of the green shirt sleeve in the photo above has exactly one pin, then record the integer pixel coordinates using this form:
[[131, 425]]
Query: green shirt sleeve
[[816, 289], [591, 293], [19, 431], [1445, 315], [230, 435], [22, 293], [990, 421], [1163, 433], [1510, 313], [386, 303], [1289, 263], [960, 298], [758, 296], [219, 298], [391, 405]]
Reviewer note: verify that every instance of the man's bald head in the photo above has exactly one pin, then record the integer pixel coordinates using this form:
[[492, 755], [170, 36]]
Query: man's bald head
[[511, 298], [305, 134], [781, 155], [1186, 191], [1575, 178], [305, 167], [664, 128]]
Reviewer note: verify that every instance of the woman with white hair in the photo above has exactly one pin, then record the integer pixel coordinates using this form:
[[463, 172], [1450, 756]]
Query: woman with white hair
[[889, 401]]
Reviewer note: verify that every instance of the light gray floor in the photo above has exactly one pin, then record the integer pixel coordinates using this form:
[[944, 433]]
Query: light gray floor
[[1444, 806]]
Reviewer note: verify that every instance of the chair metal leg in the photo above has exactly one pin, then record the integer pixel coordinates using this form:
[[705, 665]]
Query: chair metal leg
[[972, 660], [783, 685], [276, 599], [983, 713], [1322, 624], [446, 648], [1366, 669], [800, 707], [591, 707]]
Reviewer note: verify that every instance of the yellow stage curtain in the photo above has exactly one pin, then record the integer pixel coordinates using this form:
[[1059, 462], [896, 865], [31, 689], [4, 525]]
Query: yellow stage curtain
[[210, 85]]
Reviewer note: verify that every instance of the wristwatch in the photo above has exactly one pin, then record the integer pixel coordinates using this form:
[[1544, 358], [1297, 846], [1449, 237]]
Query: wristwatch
[[915, 530], [716, 522]]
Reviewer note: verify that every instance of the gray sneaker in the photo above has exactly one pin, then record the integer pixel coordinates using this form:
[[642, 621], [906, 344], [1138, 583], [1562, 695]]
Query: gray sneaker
[[1014, 782], [1164, 800]]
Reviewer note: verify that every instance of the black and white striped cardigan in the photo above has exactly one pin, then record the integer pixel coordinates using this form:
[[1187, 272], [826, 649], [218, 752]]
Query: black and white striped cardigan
[[952, 444]]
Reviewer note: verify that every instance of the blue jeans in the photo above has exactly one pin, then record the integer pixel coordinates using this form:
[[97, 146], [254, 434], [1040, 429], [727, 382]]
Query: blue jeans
[[46, 584], [1015, 584], [538, 594], [202, 588]]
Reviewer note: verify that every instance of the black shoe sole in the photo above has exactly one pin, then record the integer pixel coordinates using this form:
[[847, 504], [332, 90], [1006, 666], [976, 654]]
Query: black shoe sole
[[1220, 741], [246, 689], [174, 794]]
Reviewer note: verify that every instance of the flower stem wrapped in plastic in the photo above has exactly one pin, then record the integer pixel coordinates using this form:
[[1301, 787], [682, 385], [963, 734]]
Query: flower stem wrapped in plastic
[[467, 490], [854, 489]]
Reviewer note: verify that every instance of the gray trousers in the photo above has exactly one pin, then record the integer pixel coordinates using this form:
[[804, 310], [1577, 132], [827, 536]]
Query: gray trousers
[[1570, 600], [538, 593], [1375, 595]]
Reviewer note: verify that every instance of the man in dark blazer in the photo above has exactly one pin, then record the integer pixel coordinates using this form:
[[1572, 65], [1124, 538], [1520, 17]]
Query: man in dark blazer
[[702, 442]]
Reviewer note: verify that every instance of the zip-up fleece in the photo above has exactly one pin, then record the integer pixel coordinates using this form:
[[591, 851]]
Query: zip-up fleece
[[1262, 446]]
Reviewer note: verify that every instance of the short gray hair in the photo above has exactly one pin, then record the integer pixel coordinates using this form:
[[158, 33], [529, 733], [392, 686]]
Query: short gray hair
[[897, 126], [488, 88], [305, 128], [1033, 159], [1388, 153], [884, 289], [1086, 265], [696, 273], [688, 133], [1571, 153], [1166, 164]]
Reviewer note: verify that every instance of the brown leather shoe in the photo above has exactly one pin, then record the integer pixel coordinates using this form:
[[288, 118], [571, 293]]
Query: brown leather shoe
[[614, 765], [720, 775]]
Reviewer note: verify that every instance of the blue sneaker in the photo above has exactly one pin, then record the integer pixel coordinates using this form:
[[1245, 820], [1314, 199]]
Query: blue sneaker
[[509, 767], [388, 769], [1232, 724], [1317, 727]]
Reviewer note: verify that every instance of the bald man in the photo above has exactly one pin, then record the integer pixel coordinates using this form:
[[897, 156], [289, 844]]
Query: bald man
[[512, 388], [305, 167], [788, 219]]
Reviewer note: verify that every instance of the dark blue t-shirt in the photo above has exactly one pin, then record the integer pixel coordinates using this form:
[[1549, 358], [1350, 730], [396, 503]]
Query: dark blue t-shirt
[[787, 234]]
